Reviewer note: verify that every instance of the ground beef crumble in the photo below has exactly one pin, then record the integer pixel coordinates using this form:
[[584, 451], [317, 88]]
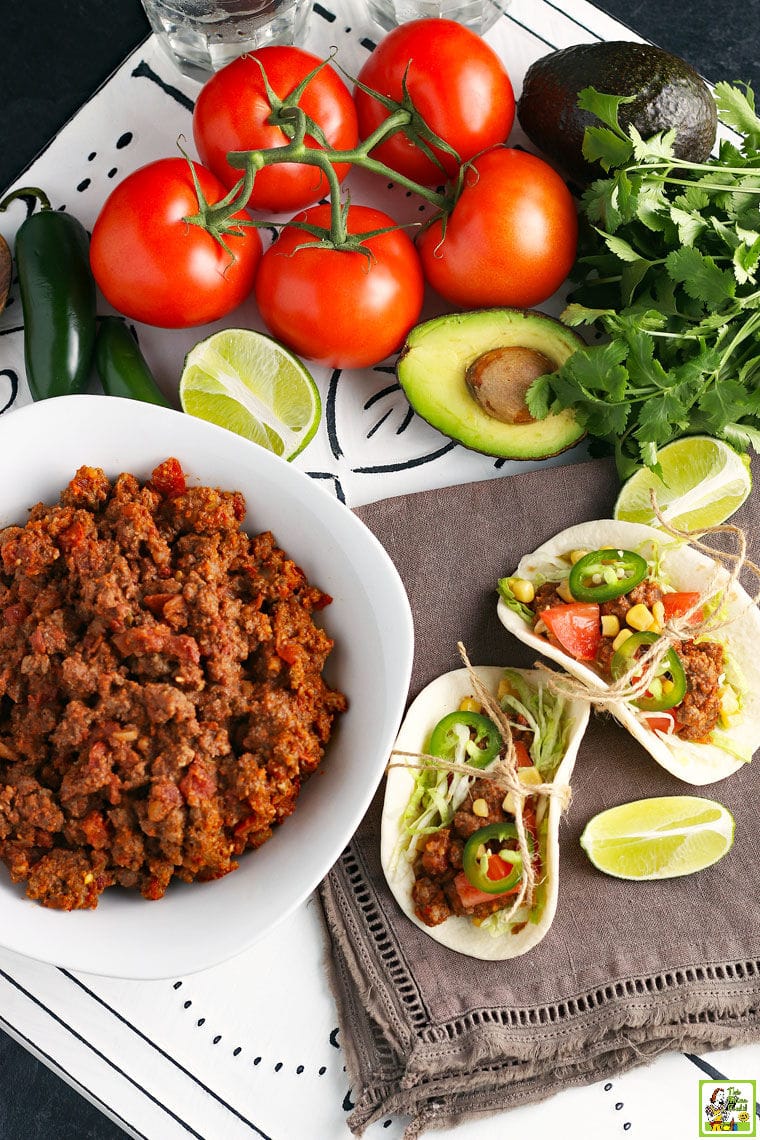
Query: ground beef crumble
[[161, 689]]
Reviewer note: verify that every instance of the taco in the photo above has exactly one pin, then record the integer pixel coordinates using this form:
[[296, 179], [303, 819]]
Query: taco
[[598, 596], [447, 835]]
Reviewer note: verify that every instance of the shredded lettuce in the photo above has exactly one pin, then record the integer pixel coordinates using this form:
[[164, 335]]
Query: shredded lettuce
[[545, 713], [507, 596]]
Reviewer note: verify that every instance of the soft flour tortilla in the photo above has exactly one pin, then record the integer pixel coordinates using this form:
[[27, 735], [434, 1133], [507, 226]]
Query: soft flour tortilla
[[438, 698], [685, 569]]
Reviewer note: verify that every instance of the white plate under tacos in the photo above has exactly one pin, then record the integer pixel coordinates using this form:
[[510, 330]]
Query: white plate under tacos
[[441, 696], [729, 746]]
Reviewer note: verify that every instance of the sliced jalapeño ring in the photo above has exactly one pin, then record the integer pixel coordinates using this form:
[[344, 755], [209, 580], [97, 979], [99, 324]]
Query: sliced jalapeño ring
[[602, 575], [667, 688], [490, 865], [482, 738]]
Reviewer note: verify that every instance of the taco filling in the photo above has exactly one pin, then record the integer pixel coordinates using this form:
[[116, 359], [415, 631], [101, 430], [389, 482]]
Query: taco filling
[[459, 832], [607, 608]]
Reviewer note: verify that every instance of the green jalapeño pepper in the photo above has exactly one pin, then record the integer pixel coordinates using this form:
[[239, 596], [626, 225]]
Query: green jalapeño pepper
[[484, 743], [606, 574], [121, 366], [489, 861], [57, 298], [667, 689]]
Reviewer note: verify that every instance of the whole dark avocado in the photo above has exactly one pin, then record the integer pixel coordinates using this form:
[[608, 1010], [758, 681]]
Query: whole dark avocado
[[668, 92]]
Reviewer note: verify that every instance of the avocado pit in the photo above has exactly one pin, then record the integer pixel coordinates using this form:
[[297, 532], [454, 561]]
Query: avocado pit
[[499, 379]]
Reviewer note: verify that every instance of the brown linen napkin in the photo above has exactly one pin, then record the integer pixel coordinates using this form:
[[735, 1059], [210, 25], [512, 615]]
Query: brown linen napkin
[[627, 970]]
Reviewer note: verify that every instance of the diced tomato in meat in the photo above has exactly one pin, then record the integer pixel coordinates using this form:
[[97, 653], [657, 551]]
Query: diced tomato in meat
[[576, 627], [676, 605], [168, 478]]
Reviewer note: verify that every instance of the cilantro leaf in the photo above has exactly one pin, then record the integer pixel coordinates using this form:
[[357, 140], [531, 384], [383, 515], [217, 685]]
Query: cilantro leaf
[[700, 276]]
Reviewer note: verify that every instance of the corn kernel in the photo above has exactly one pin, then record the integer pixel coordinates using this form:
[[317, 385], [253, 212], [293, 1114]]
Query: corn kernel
[[480, 808], [658, 613], [509, 803], [523, 590], [504, 689], [563, 589], [531, 777], [610, 625], [576, 555], [469, 704], [89, 877], [621, 637], [666, 685], [639, 617]]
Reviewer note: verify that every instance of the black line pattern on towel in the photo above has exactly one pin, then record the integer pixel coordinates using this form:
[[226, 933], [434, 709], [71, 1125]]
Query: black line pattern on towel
[[162, 1052], [83, 1040], [59, 1069]]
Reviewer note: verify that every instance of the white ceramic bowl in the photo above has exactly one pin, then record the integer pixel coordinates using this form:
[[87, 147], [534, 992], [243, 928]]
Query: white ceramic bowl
[[197, 925]]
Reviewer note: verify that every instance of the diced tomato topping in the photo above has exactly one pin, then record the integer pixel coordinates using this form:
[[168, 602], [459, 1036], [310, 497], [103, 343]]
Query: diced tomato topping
[[498, 868], [676, 605], [660, 722], [522, 754], [576, 627], [470, 896]]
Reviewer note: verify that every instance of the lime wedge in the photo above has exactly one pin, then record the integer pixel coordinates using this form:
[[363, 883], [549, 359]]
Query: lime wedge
[[248, 383], [703, 482], [659, 838]]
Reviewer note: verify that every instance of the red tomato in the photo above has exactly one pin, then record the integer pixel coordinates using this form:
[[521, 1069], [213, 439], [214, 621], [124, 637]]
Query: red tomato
[[660, 722], [342, 309], [232, 113], [510, 239], [522, 754], [456, 82], [152, 266], [470, 896], [576, 627], [676, 605]]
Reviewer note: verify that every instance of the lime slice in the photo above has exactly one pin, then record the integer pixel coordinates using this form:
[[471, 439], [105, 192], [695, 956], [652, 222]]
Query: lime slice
[[659, 838], [248, 383], [704, 481]]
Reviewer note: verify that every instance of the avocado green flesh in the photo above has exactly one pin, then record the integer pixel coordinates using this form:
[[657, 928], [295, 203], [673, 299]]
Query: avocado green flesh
[[432, 367]]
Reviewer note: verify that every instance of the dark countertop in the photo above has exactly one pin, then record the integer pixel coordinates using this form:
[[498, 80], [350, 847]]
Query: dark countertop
[[57, 53]]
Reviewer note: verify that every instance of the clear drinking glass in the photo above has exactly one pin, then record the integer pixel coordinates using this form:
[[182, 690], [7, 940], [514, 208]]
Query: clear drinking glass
[[201, 36], [476, 14]]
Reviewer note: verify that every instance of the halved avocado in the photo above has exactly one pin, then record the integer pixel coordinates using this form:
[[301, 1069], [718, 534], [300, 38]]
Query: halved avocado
[[467, 374]]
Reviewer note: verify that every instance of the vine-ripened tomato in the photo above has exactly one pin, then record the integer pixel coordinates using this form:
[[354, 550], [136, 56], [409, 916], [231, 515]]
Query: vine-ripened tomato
[[457, 83], [341, 308], [153, 266], [511, 238], [232, 112]]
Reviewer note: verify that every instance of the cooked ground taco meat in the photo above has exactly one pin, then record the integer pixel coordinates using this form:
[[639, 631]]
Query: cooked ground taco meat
[[161, 690], [703, 661]]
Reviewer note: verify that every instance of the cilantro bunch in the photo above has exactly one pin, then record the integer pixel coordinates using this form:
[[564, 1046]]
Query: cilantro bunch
[[667, 274]]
